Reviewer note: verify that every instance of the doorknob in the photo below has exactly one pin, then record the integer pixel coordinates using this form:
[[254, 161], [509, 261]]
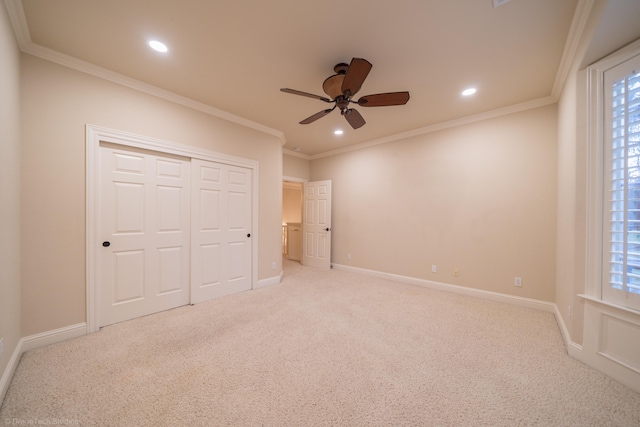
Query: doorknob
[[327, 229], [249, 235], [106, 244]]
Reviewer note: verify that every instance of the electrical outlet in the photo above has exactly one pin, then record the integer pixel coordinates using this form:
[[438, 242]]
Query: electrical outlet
[[569, 312], [434, 268], [456, 272], [349, 257], [273, 265], [517, 281]]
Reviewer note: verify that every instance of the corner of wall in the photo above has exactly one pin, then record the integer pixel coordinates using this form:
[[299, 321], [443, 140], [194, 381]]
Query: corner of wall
[[10, 199]]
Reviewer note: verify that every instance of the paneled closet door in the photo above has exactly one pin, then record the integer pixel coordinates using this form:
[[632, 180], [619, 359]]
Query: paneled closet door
[[145, 231], [221, 233]]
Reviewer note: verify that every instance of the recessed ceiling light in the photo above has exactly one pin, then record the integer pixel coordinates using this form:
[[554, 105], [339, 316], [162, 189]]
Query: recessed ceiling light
[[158, 46], [338, 132], [469, 92]]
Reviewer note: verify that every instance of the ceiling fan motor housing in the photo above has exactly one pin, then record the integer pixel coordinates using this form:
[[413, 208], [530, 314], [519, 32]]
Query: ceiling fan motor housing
[[341, 68]]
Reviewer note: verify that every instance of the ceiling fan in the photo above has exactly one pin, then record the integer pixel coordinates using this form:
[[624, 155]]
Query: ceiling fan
[[342, 86]]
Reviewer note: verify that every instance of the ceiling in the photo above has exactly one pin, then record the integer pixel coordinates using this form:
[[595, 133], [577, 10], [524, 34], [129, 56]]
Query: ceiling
[[235, 55]]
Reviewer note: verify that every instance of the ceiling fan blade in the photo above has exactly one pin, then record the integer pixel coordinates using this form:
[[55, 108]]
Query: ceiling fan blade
[[356, 73], [309, 95], [354, 118], [316, 116], [384, 99]]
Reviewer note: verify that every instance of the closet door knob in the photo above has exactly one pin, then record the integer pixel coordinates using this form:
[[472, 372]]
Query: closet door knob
[[249, 235], [106, 244]]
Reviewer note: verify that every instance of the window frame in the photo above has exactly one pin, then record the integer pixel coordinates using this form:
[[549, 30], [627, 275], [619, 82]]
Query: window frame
[[621, 197], [597, 242]]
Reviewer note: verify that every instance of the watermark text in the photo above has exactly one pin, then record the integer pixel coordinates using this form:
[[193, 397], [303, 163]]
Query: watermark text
[[41, 422]]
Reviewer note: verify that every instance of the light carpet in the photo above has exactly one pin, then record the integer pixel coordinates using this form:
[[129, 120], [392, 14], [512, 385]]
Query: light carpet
[[321, 349]]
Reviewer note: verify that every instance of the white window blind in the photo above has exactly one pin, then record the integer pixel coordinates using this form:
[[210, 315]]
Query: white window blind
[[621, 284]]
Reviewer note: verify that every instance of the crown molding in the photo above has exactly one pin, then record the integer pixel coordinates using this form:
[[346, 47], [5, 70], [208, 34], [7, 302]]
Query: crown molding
[[18, 22], [296, 154], [572, 44], [21, 30], [536, 103]]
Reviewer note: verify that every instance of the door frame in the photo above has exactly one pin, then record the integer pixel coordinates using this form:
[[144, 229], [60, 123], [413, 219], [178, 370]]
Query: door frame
[[94, 135]]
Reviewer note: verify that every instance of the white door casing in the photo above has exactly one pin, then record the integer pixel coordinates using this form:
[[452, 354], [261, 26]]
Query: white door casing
[[144, 201], [316, 224], [97, 136], [221, 230]]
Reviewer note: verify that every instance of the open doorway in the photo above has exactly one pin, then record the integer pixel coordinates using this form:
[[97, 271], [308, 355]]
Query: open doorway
[[292, 220], [306, 222]]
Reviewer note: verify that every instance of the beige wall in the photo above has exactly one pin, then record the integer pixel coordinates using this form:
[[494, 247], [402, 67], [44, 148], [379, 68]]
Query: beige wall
[[571, 248], [566, 249], [479, 197], [9, 191], [296, 167], [57, 103]]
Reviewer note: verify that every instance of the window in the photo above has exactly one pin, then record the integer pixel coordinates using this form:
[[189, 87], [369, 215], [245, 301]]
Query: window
[[621, 189]]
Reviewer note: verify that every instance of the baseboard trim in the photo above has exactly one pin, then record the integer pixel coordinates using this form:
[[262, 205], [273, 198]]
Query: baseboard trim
[[574, 349], [270, 281], [477, 293], [32, 342], [5, 380]]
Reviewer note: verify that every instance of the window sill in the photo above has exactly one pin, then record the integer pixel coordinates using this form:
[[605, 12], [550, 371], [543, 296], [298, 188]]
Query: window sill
[[608, 304]]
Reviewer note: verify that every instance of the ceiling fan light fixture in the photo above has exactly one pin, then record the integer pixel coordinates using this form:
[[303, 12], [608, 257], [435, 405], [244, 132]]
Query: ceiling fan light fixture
[[158, 46], [332, 86]]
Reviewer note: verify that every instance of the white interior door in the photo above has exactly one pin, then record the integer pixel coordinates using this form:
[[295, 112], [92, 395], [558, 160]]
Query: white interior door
[[221, 230], [316, 226], [144, 232]]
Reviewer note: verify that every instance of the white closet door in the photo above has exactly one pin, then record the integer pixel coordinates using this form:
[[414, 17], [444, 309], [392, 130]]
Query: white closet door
[[144, 229], [221, 230]]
